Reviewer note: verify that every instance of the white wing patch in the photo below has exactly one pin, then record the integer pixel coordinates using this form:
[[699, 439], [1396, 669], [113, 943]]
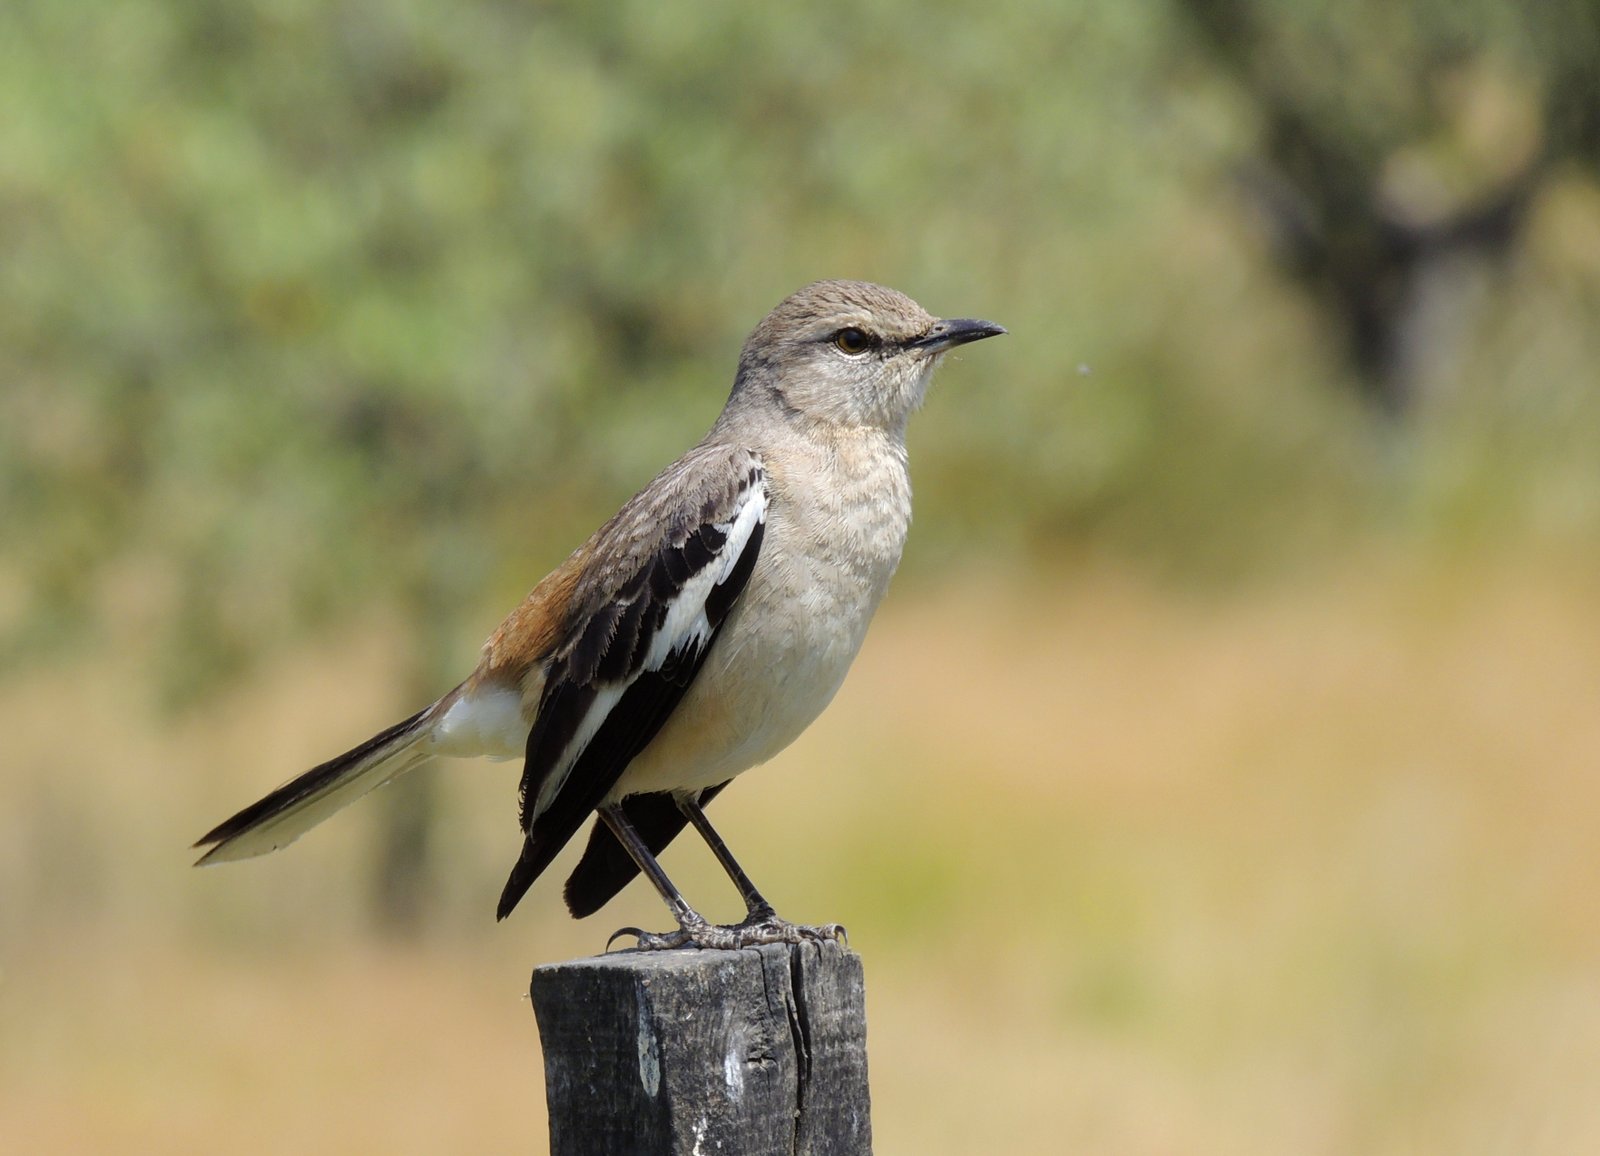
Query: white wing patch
[[686, 628], [686, 618], [596, 714]]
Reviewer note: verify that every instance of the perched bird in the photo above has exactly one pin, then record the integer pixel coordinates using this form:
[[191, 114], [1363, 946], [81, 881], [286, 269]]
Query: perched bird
[[697, 633]]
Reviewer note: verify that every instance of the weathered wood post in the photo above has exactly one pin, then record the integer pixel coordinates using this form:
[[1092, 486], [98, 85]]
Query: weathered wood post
[[746, 1052]]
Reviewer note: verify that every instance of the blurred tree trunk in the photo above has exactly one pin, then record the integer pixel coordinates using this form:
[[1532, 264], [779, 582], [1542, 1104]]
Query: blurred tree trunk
[[1398, 277]]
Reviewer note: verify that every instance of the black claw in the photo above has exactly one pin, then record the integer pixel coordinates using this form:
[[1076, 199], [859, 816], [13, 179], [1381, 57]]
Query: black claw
[[620, 932], [666, 941]]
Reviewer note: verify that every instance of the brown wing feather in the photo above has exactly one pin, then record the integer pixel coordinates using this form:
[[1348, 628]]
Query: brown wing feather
[[531, 631]]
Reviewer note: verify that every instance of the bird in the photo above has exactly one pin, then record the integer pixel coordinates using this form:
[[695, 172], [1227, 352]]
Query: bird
[[696, 634]]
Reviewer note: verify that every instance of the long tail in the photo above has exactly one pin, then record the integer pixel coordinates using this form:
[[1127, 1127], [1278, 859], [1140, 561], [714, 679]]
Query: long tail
[[300, 804]]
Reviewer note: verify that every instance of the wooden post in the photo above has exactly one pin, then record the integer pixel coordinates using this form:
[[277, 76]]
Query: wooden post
[[691, 1053]]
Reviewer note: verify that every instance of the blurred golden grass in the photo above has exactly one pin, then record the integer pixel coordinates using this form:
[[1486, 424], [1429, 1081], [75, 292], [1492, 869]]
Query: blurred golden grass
[[1308, 867]]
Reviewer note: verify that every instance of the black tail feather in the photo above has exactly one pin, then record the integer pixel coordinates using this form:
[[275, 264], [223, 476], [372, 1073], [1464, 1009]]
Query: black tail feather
[[305, 787]]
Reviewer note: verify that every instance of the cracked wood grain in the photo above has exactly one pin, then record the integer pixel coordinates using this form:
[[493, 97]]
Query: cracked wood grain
[[697, 1052]]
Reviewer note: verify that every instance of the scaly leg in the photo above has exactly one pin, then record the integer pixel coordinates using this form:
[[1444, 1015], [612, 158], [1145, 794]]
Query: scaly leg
[[761, 924], [694, 929]]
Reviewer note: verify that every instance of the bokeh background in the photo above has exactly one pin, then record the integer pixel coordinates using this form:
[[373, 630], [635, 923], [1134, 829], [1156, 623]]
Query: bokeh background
[[1221, 774]]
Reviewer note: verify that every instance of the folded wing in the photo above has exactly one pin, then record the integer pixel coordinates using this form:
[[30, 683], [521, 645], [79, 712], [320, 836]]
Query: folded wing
[[638, 629]]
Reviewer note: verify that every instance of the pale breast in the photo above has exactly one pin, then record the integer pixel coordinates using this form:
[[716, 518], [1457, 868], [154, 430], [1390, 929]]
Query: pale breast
[[786, 647]]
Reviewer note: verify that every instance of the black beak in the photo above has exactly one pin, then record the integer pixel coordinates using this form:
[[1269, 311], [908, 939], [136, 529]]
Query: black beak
[[956, 331]]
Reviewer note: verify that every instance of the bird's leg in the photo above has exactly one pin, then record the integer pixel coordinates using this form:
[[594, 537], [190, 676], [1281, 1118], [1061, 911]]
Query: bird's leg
[[694, 929], [761, 923], [755, 903]]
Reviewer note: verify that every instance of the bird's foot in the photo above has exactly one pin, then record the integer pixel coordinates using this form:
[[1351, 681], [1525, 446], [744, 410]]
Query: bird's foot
[[693, 931], [759, 928], [765, 926]]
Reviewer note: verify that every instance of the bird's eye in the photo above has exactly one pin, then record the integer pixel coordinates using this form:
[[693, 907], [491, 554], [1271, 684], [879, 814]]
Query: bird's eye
[[852, 341]]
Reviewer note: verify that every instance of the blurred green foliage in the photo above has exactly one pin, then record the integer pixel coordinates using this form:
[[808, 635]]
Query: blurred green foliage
[[317, 303]]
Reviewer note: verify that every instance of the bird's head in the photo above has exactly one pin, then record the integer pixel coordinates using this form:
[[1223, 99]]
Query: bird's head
[[849, 353]]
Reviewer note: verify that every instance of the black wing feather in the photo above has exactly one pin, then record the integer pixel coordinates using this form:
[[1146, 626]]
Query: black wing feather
[[606, 645], [630, 726], [606, 867]]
